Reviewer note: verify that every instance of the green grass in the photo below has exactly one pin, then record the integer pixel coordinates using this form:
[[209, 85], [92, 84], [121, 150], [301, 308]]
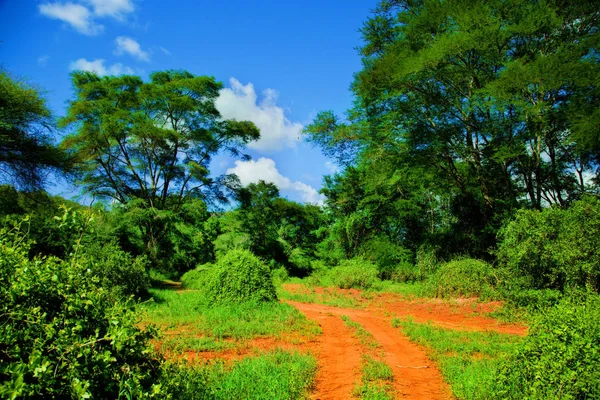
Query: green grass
[[468, 360], [197, 326], [365, 337], [377, 376], [376, 381], [329, 296], [274, 375]]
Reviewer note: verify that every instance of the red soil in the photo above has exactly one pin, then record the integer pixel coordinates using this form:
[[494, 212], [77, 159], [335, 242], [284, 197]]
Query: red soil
[[458, 314], [339, 356]]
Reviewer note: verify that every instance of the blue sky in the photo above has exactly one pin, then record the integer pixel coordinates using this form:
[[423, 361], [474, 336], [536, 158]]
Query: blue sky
[[281, 62]]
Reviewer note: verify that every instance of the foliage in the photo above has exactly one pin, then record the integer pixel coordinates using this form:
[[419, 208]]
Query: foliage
[[275, 375], [463, 113], [148, 146], [356, 273], [560, 355], [239, 276], [553, 248], [26, 149], [468, 360], [116, 269], [197, 278], [464, 278], [64, 335]]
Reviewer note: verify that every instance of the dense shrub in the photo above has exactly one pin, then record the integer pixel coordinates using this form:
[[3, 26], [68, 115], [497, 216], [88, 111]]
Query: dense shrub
[[560, 356], [464, 278], [355, 273], [240, 276], [117, 269], [553, 248], [197, 278], [65, 336]]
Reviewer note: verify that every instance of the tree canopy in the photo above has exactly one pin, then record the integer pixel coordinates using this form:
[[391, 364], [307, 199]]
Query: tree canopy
[[151, 140], [26, 149]]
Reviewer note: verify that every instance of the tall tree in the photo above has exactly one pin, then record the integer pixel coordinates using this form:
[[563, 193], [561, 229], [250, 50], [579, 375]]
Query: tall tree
[[494, 100], [26, 149], [151, 141], [148, 145]]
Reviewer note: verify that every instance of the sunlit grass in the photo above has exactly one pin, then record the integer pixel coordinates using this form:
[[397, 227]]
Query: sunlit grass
[[274, 375], [468, 360], [189, 323]]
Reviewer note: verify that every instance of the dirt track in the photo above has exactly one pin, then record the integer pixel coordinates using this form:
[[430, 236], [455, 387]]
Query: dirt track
[[415, 376]]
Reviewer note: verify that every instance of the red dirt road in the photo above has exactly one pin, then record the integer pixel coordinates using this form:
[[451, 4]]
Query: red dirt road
[[339, 356]]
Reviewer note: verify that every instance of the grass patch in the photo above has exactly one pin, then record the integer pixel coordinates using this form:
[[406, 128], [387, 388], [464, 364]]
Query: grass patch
[[365, 337], [377, 376], [275, 375], [468, 360], [376, 381], [200, 327], [328, 296]]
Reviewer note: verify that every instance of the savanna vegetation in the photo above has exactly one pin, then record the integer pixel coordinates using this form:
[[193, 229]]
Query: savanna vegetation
[[469, 167]]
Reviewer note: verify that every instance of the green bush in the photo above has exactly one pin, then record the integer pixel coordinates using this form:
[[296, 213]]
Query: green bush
[[405, 272], [117, 269], [464, 278], [355, 273], [240, 276], [63, 335], [560, 356], [197, 278], [553, 248]]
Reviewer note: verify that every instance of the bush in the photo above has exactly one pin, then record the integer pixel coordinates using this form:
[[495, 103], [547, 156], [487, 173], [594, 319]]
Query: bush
[[65, 336], [197, 278], [355, 273], [560, 356], [240, 276], [464, 278], [554, 248], [117, 269]]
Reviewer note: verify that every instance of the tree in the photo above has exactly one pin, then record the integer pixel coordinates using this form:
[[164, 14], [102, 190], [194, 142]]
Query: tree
[[26, 149], [493, 101], [151, 141], [149, 145]]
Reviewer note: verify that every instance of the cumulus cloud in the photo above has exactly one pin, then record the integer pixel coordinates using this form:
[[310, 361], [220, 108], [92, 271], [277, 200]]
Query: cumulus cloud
[[126, 45], [97, 66], [82, 18], [276, 131], [76, 15], [265, 169]]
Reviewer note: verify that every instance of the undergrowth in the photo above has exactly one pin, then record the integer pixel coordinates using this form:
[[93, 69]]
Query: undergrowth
[[468, 360]]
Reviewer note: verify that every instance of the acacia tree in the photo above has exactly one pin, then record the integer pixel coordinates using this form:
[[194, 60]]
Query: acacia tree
[[148, 145], [26, 149], [150, 141]]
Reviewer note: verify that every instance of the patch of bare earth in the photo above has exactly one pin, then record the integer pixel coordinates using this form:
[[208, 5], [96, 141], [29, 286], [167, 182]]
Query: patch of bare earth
[[415, 376]]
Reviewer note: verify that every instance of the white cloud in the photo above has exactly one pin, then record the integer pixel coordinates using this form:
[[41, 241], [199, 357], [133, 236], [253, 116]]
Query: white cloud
[[276, 131], [165, 51], [99, 68], [128, 45], [43, 60], [82, 18], [111, 8], [76, 15], [265, 169]]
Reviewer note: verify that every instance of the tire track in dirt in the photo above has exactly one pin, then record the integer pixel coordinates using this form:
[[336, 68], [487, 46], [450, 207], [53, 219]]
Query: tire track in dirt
[[338, 356], [400, 354]]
